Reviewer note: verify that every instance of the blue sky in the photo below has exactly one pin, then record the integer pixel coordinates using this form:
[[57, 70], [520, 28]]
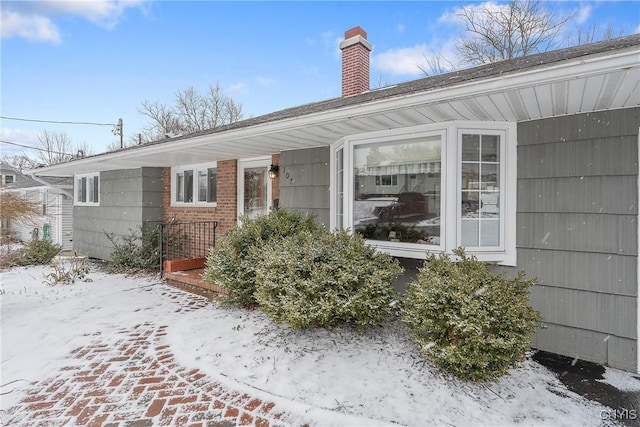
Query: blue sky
[[96, 61]]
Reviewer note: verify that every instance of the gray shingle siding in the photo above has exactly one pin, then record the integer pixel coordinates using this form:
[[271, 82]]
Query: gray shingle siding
[[127, 199], [577, 232], [305, 180]]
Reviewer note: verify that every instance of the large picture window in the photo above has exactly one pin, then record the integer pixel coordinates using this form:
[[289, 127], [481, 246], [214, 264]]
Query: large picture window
[[430, 189], [87, 189], [194, 185], [397, 190]]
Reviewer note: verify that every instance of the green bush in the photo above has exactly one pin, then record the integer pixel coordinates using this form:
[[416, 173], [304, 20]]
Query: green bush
[[139, 250], [323, 279], [39, 252], [232, 262], [466, 319]]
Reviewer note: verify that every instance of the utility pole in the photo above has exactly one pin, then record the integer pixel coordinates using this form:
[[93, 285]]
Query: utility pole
[[118, 131]]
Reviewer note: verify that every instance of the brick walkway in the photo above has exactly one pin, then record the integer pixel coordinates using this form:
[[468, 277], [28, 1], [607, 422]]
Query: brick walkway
[[131, 379]]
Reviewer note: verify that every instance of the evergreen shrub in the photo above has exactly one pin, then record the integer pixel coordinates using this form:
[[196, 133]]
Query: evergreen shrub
[[139, 250], [468, 320], [38, 252], [324, 279], [231, 264]]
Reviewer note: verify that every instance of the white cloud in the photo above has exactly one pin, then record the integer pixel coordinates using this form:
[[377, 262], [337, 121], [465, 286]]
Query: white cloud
[[637, 30], [106, 13], [583, 13], [266, 81], [403, 60], [400, 28], [453, 16], [31, 27], [236, 88], [21, 136], [18, 136], [35, 20], [408, 60]]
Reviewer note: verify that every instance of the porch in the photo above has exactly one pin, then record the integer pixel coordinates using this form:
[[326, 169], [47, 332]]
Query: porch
[[183, 251]]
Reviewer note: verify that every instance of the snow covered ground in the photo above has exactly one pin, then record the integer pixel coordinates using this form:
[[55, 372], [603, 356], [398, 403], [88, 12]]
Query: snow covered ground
[[336, 375]]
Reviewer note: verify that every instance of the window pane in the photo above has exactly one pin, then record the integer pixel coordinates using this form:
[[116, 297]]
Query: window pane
[[471, 148], [212, 186], [470, 176], [78, 189], [397, 191], [339, 188], [490, 148], [255, 192], [82, 195], [180, 187], [490, 204], [93, 189], [188, 186], [8, 179], [480, 191], [469, 230], [470, 204], [90, 184], [490, 233], [202, 186], [490, 177]]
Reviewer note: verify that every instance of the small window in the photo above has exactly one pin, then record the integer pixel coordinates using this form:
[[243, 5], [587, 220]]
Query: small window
[[207, 183], [8, 179], [87, 189], [184, 186], [194, 185], [386, 180]]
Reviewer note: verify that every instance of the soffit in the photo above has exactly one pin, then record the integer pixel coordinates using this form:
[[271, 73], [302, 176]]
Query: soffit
[[569, 89]]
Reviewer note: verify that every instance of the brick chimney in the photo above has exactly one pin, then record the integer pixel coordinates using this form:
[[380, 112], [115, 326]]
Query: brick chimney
[[355, 62]]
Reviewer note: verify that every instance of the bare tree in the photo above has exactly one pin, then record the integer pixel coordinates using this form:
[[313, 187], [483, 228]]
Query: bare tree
[[594, 33], [192, 112], [50, 148], [133, 140], [436, 64], [518, 28], [19, 162], [16, 208], [56, 147]]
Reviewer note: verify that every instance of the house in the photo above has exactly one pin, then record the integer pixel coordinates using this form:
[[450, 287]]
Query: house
[[52, 196], [530, 162]]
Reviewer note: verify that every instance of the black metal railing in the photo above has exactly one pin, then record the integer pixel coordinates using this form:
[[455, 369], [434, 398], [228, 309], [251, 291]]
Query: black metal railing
[[186, 240]]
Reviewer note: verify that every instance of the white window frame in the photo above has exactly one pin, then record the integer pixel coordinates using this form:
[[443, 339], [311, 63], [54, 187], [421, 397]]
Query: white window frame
[[203, 167], [87, 176], [4, 179], [451, 194]]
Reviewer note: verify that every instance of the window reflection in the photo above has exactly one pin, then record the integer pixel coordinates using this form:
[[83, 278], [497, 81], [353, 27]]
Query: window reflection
[[480, 187], [398, 191]]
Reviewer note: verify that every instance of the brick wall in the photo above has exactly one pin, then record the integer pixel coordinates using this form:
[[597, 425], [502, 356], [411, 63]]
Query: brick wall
[[226, 210]]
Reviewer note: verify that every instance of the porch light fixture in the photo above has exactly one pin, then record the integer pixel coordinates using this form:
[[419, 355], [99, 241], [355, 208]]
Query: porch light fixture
[[273, 171]]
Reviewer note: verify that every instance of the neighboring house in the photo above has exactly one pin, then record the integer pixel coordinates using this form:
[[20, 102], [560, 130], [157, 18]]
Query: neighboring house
[[530, 162], [53, 198]]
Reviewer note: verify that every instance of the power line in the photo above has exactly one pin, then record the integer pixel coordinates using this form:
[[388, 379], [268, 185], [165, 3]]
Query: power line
[[58, 122], [34, 148]]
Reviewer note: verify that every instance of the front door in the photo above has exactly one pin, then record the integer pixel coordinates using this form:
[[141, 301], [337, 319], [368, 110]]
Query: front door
[[254, 187]]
